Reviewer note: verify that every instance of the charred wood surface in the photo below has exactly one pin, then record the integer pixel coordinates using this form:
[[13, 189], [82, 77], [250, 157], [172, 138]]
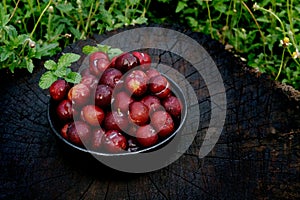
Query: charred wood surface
[[256, 157]]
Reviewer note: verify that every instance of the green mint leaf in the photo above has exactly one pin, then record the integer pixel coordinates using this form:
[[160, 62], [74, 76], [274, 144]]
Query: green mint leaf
[[89, 49], [60, 72], [67, 59], [47, 79], [73, 77], [50, 65], [103, 48], [114, 52]]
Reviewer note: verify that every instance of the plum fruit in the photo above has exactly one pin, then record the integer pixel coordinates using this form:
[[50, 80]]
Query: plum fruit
[[152, 102], [144, 60], [64, 110], [119, 105], [114, 142], [138, 113], [111, 77], [90, 81], [115, 120], [162, 123], [122, 101], [79, 133], [146, 136], [59, 89], [96, 142], [172, 105], [103, 96], [136, 82], [152, 73], [79, 94], [98, 62], [92, 114], [126, 62]]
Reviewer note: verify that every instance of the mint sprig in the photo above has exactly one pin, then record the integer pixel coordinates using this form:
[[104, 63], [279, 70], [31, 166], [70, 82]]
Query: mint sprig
[[111, 52], [61, 69]]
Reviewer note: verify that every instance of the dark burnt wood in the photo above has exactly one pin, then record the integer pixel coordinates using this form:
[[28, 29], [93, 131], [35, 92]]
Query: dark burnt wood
[[256, 157]]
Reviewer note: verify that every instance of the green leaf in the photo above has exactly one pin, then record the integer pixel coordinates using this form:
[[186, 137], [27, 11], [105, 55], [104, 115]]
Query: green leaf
[[263, 19], [60, 72], [67, 59], [46, 50], [73, 77], [114, 52], [139, 20], [4, 19], [221, 7], [47, 79], [65, 7], [180, 6], [164, 1], [5, 53], [30, 65], [50, 65], [75, 32], [22, 38], [103, 48], [200, 2], [133, 2], [89, 49], [59, 29]]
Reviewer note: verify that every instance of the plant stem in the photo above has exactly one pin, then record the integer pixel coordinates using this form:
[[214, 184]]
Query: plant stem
[[281, 64], [258, 27], [4, 6], [89, 18], [36, 24], [209, 17], [272, 13], [49, 26], [14, 11]]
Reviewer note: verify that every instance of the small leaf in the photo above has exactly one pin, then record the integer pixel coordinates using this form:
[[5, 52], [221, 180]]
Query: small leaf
[[22, 38], [5, 54], [50, 65], [60, 72], [29, 65], [67, 59], [103, 48], [114, 52], [73, 77], [180, 6], [75, 32], [65, 7], [47, 79], [139, 20], [89, 49], [46, 50]]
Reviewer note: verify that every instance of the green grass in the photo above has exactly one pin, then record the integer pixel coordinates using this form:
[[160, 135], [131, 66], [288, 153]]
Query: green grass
[[254, 31], [265, 34], [34, 29]]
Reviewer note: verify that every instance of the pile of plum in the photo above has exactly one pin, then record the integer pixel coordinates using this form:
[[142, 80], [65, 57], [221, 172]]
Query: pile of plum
[[122, 104]]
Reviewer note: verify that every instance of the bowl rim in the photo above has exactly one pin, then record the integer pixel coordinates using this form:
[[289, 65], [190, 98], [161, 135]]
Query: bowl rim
[[178, 93]]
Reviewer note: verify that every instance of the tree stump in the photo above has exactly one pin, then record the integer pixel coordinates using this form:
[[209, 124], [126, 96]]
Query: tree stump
[[256, 157]]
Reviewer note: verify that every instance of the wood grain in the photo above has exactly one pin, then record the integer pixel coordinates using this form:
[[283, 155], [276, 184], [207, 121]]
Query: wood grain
[[256, 157]]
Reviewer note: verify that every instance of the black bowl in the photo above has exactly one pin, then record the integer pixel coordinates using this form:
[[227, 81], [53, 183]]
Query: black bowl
[[56, 126]]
